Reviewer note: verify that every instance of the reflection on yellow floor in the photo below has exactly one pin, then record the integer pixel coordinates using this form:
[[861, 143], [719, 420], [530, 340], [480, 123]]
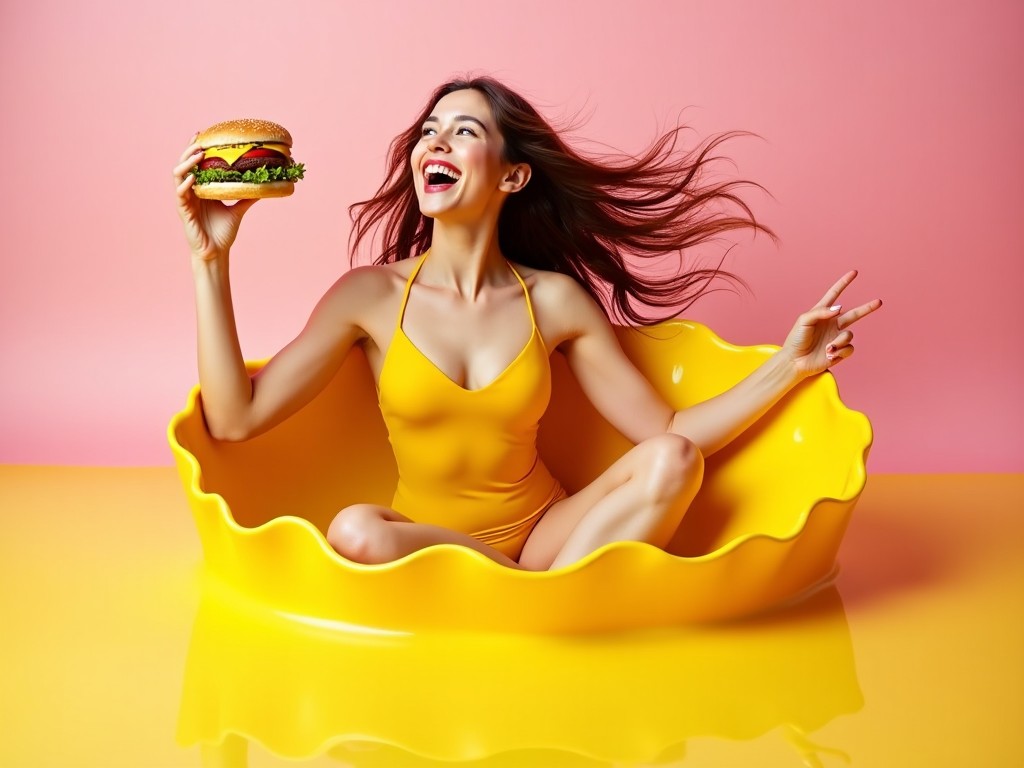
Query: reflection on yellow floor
[[115, 652], [616, 699]]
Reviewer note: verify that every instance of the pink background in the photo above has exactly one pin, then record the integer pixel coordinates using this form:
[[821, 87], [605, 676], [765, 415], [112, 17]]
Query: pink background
[[891, 142]]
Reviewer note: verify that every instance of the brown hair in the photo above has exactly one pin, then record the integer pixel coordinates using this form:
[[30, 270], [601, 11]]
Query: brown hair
[[578, 215]]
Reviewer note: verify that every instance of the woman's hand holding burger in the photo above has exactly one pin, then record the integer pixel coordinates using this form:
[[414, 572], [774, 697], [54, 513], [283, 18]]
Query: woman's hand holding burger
[[244, 160], [210, 225]]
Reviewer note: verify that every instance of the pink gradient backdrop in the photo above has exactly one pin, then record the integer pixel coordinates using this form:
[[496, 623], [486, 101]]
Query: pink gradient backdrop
[[891, 143]]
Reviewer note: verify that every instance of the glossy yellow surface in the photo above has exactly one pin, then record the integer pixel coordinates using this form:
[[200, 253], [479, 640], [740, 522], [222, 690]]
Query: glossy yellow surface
[[462, 697], [764, 528], [118, 650]]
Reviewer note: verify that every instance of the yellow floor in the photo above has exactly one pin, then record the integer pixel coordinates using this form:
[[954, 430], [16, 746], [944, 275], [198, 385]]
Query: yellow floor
[[117, 652]]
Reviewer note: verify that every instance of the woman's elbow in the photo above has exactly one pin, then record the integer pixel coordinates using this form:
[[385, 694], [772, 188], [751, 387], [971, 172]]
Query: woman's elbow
[[227, 430], [229, 436]]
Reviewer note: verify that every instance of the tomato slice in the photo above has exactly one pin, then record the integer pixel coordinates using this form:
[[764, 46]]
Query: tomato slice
[[261, 152]]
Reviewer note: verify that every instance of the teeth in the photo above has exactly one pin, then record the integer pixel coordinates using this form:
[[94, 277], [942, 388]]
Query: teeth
[[436, 168]]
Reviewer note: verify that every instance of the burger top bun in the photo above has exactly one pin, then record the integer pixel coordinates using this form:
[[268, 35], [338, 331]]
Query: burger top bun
[[240, 190], [244, 131]]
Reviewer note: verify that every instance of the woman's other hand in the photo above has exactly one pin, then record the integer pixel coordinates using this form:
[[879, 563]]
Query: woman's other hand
[[210, 225], [821, 336]]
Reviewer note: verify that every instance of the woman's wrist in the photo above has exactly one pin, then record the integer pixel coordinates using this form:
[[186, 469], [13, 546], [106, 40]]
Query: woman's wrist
[[209, 262], [782, 368]]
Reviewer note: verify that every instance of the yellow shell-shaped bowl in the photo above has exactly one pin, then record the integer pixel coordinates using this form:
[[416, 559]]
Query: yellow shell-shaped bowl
[[764, 528]]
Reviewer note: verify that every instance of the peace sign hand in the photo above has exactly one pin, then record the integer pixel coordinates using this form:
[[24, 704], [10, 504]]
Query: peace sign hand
[[820, 338]]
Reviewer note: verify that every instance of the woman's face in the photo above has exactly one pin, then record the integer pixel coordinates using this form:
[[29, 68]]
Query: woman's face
[[457, 163]]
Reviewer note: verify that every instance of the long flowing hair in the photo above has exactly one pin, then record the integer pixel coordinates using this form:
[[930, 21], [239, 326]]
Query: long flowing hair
[[593, 218]]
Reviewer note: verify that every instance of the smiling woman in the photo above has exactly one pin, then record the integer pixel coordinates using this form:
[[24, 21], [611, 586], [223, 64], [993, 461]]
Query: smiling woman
[[578, 215], [454, 142], [499, 243]]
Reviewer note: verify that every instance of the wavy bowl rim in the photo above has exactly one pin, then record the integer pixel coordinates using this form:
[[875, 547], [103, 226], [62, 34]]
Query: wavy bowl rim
[[195, 477]]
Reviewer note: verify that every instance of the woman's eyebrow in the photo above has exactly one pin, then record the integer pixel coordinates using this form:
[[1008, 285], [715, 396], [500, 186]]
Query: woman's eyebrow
[[459, 118]]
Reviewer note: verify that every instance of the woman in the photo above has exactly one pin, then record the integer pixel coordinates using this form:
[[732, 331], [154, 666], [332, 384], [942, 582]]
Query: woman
[[499, 242]]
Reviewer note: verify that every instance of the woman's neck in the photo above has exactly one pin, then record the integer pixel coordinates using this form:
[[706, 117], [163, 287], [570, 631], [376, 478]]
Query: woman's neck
[[465, 259]]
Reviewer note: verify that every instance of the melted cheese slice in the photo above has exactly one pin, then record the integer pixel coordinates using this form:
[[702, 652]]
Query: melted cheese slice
[[231, 153]]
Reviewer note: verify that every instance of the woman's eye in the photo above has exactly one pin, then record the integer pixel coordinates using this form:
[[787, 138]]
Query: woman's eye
[[432, 131]]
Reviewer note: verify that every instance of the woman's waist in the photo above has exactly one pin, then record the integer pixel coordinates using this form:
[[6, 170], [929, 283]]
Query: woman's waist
[[492, 466], [473, 503]]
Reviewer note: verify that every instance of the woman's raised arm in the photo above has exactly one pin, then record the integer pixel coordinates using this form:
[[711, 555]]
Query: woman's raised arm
[[236, 406], [819, 339]]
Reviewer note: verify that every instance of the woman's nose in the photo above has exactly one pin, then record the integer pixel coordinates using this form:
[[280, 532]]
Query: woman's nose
[[439, 141]]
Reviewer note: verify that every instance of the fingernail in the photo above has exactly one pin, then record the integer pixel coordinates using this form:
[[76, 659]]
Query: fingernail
[[830, 348], [836, 308]]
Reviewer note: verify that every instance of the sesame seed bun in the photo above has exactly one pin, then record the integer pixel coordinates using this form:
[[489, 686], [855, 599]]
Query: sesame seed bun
[[243, 131]]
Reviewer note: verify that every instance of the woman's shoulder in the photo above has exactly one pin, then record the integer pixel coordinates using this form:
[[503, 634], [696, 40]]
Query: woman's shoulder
[[563, 307], [365, 296], [553, 289], [547, 284], [375, 280]]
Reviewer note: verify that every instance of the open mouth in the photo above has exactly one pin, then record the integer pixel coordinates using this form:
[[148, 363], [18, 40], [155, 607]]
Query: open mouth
[[440, 176]]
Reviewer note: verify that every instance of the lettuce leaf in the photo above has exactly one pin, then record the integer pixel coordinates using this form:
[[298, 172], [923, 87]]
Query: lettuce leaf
[[259, 175]]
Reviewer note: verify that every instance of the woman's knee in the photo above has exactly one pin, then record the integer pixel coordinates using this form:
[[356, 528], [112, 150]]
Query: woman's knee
[[356, 532], [674, 466]]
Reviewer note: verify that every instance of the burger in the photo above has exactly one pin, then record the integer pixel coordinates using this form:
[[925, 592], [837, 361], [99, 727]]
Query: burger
[[246, 159]]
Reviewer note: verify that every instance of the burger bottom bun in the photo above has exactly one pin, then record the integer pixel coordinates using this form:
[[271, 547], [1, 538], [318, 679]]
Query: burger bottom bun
[[240, 190]]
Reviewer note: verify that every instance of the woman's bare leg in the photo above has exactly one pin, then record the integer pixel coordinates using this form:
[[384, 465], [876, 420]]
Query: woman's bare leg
[[367, 533], [641, 497]]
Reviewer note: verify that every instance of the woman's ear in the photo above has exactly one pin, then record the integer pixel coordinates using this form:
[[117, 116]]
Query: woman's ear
[[516, 178]]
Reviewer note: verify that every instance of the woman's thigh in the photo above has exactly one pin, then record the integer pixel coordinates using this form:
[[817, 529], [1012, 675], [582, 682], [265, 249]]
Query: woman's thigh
[[368, 533], [551, 531], [667, 469]]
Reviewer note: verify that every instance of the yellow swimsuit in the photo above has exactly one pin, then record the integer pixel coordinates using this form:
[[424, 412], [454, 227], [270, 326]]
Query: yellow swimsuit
[[467, 459]]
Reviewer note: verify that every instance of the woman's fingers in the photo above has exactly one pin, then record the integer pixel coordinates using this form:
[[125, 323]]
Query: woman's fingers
[[186, 164], [857, 313], [185, 184], [840, 354], [818, 314], [244, 205], [840, 341], [833, 293], [189, 158], [190, 149], [181, 173]]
